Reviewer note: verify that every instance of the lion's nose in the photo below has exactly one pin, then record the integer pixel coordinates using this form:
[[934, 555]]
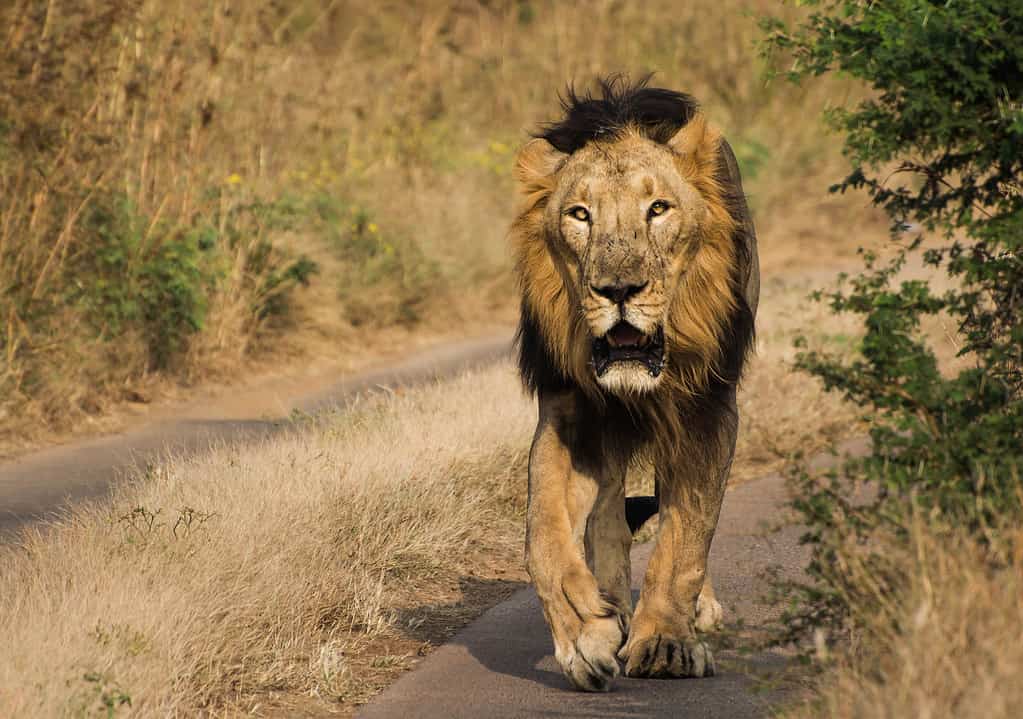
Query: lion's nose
[[618, 293]]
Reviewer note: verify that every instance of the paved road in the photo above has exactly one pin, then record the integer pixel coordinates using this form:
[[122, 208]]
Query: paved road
[[502, 665], [40, 484]]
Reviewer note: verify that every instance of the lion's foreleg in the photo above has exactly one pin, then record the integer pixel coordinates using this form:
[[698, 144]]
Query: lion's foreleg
[[662, 640], [586, 625]]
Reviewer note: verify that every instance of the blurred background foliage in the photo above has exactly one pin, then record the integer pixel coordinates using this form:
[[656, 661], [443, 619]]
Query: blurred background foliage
[[192, 186]]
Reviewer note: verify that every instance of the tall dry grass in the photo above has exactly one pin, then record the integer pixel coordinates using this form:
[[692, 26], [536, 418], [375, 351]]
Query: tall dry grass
[[942, 639], [214, 584], [374, 139]]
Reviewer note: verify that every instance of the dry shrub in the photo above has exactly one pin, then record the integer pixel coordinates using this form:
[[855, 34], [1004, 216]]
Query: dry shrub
[[213, 582], [939, 635]]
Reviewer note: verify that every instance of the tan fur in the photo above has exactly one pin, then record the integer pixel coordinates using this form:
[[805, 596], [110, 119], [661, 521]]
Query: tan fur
[[578, 542]]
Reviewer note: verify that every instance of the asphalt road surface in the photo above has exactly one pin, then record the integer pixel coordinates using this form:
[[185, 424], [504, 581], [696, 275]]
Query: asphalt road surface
[[502, 665], [43, 483]]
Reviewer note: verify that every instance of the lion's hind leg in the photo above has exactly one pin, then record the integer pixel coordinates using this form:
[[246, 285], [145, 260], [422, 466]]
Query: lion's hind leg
[[709, 614]]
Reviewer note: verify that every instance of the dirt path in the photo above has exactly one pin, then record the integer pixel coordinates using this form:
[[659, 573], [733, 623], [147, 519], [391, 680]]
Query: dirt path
[[41, 483], [502, 665]]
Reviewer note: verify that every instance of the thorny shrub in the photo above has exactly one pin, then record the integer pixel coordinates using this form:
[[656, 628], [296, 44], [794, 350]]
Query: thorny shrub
[[938, 144]]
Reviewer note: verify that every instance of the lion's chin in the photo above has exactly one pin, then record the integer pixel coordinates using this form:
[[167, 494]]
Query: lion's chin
[[628, 379]]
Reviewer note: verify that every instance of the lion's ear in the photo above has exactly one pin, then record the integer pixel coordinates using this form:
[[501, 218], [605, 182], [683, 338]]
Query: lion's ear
[[536, 166], [695, 139]]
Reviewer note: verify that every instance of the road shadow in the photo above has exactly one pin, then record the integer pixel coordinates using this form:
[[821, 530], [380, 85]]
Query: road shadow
[[438, 622]]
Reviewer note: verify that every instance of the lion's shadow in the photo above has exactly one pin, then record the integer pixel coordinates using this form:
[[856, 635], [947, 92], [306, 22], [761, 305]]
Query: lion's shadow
[[510, 638]]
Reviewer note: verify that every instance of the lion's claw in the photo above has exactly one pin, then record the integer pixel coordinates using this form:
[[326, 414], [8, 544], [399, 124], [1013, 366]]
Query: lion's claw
[[662, 656]]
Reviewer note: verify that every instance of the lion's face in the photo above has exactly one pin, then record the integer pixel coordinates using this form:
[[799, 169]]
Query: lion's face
[[626, 257], [624, 223]]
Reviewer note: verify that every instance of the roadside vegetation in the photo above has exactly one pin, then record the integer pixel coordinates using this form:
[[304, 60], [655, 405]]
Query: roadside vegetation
[[190, 190], [914, 608], [282, 575]]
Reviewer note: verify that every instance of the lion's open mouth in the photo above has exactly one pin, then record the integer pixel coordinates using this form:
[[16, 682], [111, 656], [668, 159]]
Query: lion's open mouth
[[625, 343]]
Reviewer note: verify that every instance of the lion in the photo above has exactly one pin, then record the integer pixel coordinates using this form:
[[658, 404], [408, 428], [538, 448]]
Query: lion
[[637, 263]]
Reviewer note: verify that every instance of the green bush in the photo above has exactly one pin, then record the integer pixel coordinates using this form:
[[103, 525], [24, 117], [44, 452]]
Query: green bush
[[270, 273], [938, 143], [126, 274]]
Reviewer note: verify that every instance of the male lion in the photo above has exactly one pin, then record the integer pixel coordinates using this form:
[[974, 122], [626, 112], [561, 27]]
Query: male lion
[[637, 262]]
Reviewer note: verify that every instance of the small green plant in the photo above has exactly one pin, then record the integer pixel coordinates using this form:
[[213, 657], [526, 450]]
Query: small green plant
[[752, 155], [129, 273], [121, 637], [270, 274], [101, 697]]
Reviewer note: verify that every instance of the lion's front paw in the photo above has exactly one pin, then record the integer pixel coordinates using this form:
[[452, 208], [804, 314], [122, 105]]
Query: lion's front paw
[[587, 642], [591, 663], [663, 656]]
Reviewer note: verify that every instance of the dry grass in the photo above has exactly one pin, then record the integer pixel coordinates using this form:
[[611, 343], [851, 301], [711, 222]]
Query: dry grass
[[783, 412], [196, 119], [220, 582], [945, 643]]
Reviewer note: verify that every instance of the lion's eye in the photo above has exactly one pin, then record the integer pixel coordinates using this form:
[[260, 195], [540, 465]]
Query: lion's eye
[[658, 208], [580, 213]]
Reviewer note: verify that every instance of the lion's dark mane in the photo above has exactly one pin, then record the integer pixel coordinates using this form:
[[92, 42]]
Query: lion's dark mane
[[657, 112]]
